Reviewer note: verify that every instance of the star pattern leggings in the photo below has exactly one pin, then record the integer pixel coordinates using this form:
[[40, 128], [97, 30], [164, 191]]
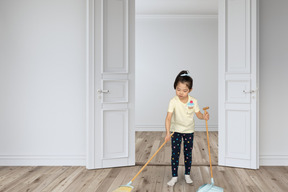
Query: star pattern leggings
[[187, 149]]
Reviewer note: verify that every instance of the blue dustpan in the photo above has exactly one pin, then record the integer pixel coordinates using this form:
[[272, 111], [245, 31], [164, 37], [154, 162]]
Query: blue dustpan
[[210, 187]]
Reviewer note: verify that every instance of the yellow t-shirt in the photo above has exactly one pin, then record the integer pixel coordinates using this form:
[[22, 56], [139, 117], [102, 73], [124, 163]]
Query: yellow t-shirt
[[183, 118]]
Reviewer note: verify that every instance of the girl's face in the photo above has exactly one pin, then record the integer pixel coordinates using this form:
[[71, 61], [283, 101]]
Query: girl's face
[[182, 90]]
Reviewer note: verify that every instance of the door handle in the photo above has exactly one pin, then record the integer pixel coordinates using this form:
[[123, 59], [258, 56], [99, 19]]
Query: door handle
[[102, 91], [250, 91]]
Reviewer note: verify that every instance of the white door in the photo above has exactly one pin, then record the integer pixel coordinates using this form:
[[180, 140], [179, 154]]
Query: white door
[[111, 87], [238, 83]]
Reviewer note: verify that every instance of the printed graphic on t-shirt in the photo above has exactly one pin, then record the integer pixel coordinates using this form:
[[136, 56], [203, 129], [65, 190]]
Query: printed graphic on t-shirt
[[190, 104]]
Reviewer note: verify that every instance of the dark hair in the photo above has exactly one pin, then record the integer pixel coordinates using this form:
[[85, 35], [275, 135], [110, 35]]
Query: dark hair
[[184, 79]]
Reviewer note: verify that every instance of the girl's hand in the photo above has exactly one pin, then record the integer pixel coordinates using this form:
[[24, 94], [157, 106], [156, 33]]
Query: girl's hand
[[167, 138], [206, 116]]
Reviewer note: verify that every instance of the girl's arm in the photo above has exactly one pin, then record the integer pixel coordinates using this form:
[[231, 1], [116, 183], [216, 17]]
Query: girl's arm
[[167, 125], [203, 116]]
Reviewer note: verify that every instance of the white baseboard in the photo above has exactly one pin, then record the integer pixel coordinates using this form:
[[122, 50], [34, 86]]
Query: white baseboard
[[273, 160], [162, 128], [23, 160]]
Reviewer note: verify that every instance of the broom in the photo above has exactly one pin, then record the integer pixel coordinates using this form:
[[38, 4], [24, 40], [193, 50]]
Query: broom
[[209, 187], [128, 187]]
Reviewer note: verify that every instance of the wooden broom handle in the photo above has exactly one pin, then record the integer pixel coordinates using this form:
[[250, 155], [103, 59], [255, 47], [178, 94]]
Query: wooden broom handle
[[150, 159], [205, 108]]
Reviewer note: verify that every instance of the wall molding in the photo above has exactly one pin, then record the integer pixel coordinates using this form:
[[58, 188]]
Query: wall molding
[[176, 16], [162, 128], [273, 160], [42, 160]]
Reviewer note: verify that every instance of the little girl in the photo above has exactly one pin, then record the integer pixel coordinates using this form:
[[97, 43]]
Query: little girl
[[180, 121]]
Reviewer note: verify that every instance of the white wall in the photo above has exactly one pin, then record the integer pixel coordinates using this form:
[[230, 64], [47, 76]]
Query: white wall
[[165, 45], [42, 82], [273, 82]]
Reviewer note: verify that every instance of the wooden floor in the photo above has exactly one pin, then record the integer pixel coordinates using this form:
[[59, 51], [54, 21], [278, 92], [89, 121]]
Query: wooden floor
[[152, 179], [147, 144]]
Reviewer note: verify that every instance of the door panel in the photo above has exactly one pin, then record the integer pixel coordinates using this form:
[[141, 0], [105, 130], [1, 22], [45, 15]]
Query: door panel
[[115, 119], [238, 30], [235, 93], [238, 83], [115, 33], [238, 134], [118, 91]]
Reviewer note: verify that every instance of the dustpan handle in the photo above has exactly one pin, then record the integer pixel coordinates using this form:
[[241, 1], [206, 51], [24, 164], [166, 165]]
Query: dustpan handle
[[150, 159], [208, 145]]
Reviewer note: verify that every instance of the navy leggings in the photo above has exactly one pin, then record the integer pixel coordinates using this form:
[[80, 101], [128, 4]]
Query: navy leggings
[[187, 149]]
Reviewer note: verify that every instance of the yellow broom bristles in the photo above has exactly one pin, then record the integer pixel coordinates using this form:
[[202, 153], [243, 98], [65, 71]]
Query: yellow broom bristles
[[123, 189]]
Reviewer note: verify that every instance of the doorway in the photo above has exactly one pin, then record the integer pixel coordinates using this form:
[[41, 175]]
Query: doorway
[[165, 45], [237, 80]]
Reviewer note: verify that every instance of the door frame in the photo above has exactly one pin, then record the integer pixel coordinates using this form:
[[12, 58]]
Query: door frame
[[90, 85]]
